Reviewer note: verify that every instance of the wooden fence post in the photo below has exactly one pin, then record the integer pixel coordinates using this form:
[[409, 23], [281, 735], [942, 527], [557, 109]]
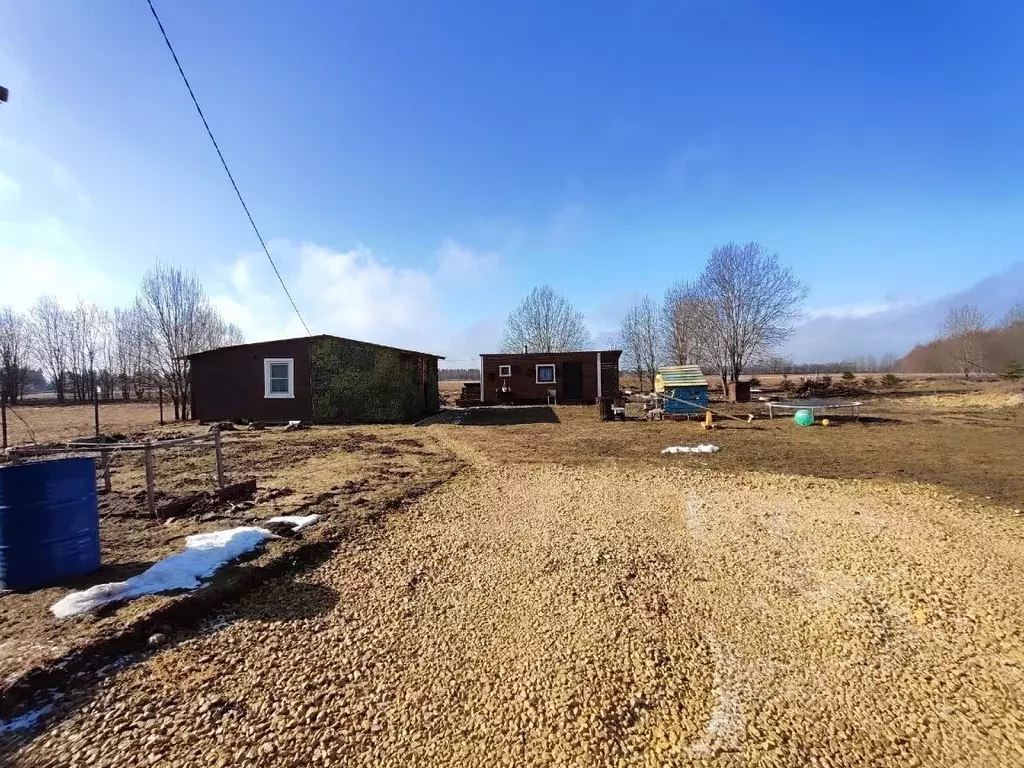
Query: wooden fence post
[[220, 457], [105, 458], [150, 480]]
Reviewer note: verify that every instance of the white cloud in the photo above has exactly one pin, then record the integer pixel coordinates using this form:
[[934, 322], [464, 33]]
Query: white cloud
[[351, 293], [858, 310], [41, 257], [9, 189], [48, 174], [459, 263]]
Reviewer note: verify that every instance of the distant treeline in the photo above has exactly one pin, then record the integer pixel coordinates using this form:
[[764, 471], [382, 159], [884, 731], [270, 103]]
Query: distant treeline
[[459, 374], [994, 349], [859, 364]]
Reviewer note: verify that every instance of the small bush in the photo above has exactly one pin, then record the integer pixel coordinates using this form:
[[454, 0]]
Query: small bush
[[868, 382], [787, 385], [890, 381], [755, 382], [825, 382], [1013, 371], [848, 376]]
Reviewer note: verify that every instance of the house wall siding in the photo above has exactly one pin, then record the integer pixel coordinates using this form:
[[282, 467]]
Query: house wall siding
[[228, 383], [522, 382]]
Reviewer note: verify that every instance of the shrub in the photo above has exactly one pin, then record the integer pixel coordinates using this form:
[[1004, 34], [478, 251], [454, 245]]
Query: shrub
[[868, 382], [848, 376], [1013, 371], [755, 382], [825, 382], [787, 385], [890, 381]]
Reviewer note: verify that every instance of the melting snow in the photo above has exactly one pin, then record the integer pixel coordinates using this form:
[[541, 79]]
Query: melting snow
[[28, 720], [297, 522], [691, 449], [204, 553]]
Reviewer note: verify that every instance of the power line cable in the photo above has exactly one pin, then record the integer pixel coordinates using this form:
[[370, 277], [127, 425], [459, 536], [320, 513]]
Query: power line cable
[[225, 164]]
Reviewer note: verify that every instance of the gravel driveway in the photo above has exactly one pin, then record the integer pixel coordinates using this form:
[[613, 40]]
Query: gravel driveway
[[543, 615]]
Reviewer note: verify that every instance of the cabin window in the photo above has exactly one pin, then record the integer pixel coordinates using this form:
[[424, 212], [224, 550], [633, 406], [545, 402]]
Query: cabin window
[[546, 374], [279, 377], [504, 370]]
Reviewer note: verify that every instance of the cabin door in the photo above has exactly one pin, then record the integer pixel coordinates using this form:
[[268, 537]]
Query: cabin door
[[572, 381]]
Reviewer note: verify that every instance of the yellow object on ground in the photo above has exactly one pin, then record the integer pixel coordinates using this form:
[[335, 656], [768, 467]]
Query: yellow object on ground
[[824, 422]]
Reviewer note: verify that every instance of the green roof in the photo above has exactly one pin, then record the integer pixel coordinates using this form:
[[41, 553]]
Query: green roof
[[682, 376]]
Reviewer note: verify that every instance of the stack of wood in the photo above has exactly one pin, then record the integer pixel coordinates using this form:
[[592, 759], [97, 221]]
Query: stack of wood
[[470, 394]]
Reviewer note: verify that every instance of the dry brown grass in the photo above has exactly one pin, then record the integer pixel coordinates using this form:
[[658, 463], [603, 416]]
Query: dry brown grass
[[46, 423], [971, 451]]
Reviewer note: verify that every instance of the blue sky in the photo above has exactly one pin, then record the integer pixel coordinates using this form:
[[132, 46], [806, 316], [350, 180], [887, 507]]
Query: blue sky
[[419, 166]]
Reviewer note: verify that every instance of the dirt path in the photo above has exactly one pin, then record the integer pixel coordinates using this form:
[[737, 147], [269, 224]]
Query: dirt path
[[544, 615]]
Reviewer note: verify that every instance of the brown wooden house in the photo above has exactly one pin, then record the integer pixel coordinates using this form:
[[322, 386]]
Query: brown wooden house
[[543, 377], [321, 379]]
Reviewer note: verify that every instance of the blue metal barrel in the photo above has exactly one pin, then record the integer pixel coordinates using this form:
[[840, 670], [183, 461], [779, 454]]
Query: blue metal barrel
[[49, 522]]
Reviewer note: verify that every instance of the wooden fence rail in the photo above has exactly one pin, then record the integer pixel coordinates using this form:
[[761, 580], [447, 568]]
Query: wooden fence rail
[[105, 451]]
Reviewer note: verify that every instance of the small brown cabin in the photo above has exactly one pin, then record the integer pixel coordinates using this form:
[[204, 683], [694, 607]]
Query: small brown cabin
[[541, 377], [321, 379]]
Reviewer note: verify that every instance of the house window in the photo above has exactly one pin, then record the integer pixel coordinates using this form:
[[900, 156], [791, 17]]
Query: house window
[[546, 374], [279, 377], [504, 370]]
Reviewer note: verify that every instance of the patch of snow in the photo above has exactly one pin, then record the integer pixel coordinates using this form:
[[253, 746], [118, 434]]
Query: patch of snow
[[297, 522], [28, 720], [204, 553], [691, 449]]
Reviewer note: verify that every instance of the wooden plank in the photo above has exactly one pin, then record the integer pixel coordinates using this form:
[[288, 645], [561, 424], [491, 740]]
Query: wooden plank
[[150, 482], [220, 457], [105, 462]]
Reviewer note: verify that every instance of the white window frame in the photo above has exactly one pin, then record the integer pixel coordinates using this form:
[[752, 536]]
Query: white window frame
[[536, 373], [269, 361], [504, 371]]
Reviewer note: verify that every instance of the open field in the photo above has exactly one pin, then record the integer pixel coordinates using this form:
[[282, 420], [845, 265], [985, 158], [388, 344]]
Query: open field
[[568, 595]]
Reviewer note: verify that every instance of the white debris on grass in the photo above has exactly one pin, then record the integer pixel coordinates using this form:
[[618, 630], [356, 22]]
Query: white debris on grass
[[297, 522], [204, 553], [691, 449], [22, 722]]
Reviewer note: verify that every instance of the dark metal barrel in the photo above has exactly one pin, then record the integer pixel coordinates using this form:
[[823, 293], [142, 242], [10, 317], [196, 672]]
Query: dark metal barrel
[[49, 522]]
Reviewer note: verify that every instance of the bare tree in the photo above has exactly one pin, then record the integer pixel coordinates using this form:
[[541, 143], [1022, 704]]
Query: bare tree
[[1014, 316], [545, 322], [962, 328], [682, 311], [177, 320], [14, 350], [748, 305], [49, 322], [640, 336], [232, 335]]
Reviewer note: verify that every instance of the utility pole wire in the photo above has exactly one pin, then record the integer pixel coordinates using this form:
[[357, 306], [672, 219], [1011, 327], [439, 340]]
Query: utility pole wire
[[225, 164]]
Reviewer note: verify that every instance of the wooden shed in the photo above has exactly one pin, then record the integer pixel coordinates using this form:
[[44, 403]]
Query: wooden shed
[[321, 379], [679, 383], [541, 377]]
